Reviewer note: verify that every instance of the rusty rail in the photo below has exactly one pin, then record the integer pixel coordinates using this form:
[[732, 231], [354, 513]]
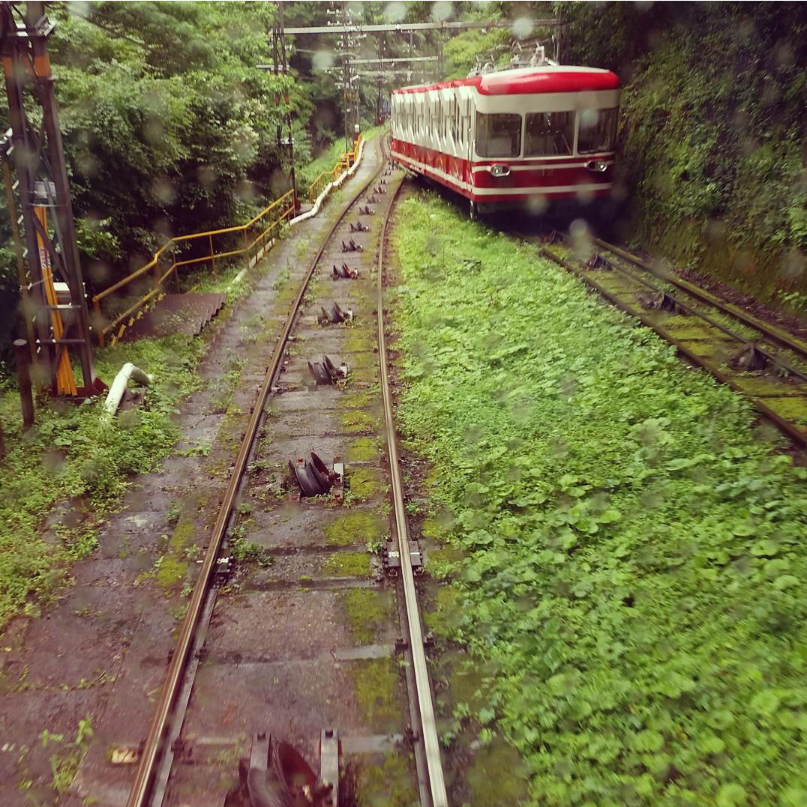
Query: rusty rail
[[792, 430], [425, 702], [154, 745]]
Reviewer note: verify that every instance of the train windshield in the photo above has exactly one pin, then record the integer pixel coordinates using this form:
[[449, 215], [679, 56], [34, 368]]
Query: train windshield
[[498, 135], [548, 133], [597, 130]]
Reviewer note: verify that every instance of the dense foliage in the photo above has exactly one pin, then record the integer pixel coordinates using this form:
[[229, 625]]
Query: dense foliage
[[712, 141], [634, 557], [168, 126]]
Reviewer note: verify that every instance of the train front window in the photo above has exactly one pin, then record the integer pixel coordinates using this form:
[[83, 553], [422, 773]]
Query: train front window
[[597, 130], [498, 135], [548, 133]]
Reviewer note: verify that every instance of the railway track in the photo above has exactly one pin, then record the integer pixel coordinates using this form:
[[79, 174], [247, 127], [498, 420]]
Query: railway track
[[303, 639], [762, 362]]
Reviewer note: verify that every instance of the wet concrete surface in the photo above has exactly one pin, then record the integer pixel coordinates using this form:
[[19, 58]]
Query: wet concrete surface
[[101, 652], [291, 649]]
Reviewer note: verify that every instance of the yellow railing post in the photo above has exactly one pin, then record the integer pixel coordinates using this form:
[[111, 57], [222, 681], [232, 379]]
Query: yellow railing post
[[99, 322], [270, 220]]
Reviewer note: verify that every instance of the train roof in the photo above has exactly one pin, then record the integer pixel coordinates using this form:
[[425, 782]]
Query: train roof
[[530, 80]]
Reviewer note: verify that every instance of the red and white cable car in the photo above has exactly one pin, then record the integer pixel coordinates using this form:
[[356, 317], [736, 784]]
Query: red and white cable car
[[523, 136]]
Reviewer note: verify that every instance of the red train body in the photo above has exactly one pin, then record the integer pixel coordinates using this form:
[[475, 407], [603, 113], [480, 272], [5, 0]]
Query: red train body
[[521, 136]]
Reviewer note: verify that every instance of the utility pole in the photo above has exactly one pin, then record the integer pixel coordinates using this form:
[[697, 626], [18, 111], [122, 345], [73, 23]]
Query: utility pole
[[42, 185], [280, 65], [350, 98], [282, 35]]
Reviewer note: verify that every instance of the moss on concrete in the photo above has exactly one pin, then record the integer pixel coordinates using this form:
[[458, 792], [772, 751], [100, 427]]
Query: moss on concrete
[[363, 449], [376, 685], [368, 612], [389, 783], [347, 564], [356, 421], [366, 374], [358, 527], [170, 570], [364, 483], [358, 339], [358, 400], [794, 409]]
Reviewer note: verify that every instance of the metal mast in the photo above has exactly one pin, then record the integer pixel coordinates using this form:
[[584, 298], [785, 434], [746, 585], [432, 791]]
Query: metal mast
[[43, 187], [279, 36]]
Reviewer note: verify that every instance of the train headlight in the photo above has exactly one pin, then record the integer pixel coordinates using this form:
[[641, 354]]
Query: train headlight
[[598, 166], [499, 170]]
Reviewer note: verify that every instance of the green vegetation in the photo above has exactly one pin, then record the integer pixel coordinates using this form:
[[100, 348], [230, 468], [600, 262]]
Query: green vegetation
[[347, 564], [712, 132], [634, 560], [357, 527], [72, 455], [328, 158], [65, 762], [368, 612]]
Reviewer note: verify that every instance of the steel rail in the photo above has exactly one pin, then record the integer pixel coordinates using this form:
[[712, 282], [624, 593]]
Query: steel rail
[[790, 429], [784, 340], [783, 365], [428, 723], [144, 778]]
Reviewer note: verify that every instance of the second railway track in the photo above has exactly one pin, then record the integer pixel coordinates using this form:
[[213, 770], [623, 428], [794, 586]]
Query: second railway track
[[764, 363], [306, 644]]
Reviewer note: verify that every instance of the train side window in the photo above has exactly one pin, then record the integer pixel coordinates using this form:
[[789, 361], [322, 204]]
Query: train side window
[[498, 135], [548, 133], [597, 130]]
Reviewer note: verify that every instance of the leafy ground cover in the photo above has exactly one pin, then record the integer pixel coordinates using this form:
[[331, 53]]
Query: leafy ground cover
[[633, 562], [72, 454]]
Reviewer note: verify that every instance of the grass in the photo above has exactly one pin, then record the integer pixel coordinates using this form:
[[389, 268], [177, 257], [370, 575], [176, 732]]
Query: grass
[[630, 557], [328, 158], [71, 454]]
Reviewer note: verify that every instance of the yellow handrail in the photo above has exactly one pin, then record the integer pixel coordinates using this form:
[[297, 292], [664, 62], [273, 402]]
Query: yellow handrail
[[277, 214], [265, 222], [343, 163]]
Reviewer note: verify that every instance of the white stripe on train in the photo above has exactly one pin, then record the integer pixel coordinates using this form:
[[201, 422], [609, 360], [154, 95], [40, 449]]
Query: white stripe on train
[[542, 189]]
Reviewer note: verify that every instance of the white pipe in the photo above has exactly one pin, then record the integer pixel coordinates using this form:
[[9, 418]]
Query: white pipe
[[321, 198], [119, 385]]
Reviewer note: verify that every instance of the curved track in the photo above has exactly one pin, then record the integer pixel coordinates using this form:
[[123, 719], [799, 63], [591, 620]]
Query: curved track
[[303, 636]]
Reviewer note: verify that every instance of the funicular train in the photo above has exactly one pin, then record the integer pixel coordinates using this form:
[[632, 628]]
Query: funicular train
[[521, 136]]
